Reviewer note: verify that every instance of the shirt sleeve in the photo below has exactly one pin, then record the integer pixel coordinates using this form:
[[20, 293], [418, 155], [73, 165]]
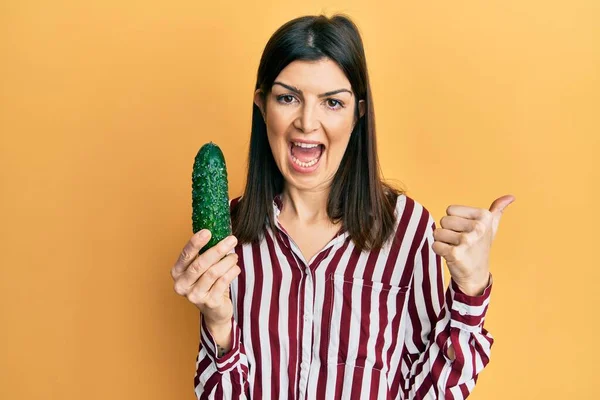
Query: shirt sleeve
[[224, 377], [437, 320]]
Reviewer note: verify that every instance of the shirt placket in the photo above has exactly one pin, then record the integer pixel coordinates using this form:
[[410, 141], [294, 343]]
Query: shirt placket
[[306, 347], [307, 288], [305, 334], [307, 291]]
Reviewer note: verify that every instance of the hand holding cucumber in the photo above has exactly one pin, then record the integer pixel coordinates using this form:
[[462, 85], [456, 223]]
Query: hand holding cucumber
[[204, 268], [204, 279]]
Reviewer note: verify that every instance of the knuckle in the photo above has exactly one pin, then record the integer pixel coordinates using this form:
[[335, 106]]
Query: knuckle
[[211, 273], [223, 280], [465, 239], [198, 266], [479, 226], [180, 290], [194, 298], [186, 255], [486, 214], [194, 269]]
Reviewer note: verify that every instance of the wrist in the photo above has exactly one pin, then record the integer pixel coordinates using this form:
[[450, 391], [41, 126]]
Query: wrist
[[474, 287], [221, 334], [216, 324]]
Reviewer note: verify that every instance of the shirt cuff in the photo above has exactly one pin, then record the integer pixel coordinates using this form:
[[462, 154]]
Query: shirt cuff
[[468, 312], [229, 360]]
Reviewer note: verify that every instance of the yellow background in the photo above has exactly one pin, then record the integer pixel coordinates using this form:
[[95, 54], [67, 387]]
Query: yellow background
[[103, 107]]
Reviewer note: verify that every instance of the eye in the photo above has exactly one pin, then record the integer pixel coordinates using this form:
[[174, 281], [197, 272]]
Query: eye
[[285, 99], [333, 104]]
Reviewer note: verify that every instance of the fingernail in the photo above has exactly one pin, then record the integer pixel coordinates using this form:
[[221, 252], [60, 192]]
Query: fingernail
[[231, 240], [204, 233]]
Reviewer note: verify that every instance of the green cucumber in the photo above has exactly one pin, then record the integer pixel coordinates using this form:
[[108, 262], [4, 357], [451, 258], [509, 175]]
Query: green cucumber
[[210, 196]]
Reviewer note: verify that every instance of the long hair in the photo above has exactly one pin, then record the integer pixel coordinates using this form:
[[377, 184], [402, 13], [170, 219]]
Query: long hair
[[358, 197]]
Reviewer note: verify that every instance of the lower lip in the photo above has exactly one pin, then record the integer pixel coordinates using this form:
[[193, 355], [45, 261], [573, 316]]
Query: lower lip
[[304, 170]]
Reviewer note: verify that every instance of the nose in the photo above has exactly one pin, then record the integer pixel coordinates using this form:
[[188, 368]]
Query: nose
[[308, 120]]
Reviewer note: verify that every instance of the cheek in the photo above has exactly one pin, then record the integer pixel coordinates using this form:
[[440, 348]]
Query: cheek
[[339, 134], [277, 122], [277, 140], [337, 150]]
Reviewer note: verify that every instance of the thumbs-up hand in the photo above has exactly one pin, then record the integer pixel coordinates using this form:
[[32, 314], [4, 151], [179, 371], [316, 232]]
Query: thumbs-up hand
[[465, 239]]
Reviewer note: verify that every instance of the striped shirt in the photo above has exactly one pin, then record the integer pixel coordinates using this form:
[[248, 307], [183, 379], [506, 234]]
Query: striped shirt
[[347, 324]]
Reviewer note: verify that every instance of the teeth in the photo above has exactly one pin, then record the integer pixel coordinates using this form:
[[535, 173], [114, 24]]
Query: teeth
[[305, 145], [304, 164]]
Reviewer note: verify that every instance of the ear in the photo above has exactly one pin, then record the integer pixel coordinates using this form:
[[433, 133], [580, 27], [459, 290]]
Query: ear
[[260, 101], [361, 111]]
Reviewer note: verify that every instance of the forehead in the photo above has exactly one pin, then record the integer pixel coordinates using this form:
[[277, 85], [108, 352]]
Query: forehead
[[314, 76]]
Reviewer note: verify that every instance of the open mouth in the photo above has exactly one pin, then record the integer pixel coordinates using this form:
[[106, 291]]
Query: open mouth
[[306, 155]]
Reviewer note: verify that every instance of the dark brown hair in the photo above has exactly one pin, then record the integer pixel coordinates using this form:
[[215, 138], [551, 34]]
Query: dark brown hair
[[358, 197]]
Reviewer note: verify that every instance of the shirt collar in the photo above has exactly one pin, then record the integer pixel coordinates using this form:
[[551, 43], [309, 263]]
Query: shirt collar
[[278, 206]]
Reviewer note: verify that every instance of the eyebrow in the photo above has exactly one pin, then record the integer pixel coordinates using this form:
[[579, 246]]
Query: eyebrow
[[298, 91]]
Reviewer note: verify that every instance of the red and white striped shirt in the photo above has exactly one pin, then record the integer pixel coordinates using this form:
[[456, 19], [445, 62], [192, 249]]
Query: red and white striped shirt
[[347, 324]]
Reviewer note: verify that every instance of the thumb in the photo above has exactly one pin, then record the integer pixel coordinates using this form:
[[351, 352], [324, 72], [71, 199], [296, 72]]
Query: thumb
[[497, 208], [501, 203]]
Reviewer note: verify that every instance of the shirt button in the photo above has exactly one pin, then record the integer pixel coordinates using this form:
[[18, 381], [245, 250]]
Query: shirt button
[[462, 311]]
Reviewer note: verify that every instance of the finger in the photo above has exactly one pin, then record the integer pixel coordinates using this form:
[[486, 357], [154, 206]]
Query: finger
[[445, 250], [446, 236], [457, 224], [190, 251], [501, 203], [221, 285], [211, 275], [468, 212], [497, 209], [204, 261]]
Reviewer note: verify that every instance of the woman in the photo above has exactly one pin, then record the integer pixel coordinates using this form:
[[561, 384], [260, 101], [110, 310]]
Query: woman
[[340, 291]]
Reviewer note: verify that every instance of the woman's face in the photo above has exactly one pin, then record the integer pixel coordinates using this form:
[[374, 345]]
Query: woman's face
[[309, 116]]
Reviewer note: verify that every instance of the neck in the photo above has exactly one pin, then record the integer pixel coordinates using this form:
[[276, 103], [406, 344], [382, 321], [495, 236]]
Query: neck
[[307, 207]]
